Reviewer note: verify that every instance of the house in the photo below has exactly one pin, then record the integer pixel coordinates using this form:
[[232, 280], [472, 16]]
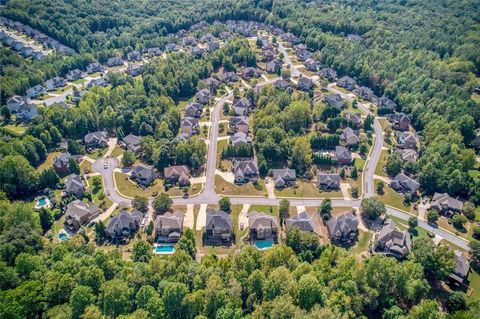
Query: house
[[203, 96], [190, 125], [462, 267], [392, 242], [61, 163], [328, 74], [365, 93], [134, 56], [311, 65], [134, 69], [74, 186], [349, 137], [27, 51], [189, 41], [97, 82], [143, 175], [284, 177], [304, 55], [194, 109], [182, 137], [176, 175], [96, 139], [115, 61], [213, 83], [154, 51], [302, 221], [268, 55], [245, 171], [229, 77], [240, 138], [55, 83], [443, 203], [354, 118], [476, 140], [281, 84], [404, 184], [354, 37], [249, 72], [207, 38], [342, 155], [172, 47], [347, 83], [17, 46], [77, 95], [213, 46], [15, 102], [305, 83], [262, 226], [385, 102], [196, 52], [239, 124], [132, 142], [241, 106], [343, 229], [35, 91], [273, 66], [123, 225], [334, 100], [79, 213], [37, 55], [75, 74], [409, 155], [399, 121], [27, 111], [328, 182], [406, 140], [218, 227], [95, 67], [169, 227]]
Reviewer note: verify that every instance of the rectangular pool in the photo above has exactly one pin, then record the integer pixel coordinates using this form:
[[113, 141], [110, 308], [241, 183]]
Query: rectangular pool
[[164, 249], [264, 244]]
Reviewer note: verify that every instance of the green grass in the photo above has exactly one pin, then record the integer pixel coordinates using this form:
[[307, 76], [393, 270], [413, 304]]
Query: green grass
[[248, 189], [16, 130], [306, 189], [384, 123], [117, 151], [381, 163], [86, 166], [474, 279], [128, 188], [267, 209], [98, 193], [362, 244], [48, 161], [98, 153], [392, 198]]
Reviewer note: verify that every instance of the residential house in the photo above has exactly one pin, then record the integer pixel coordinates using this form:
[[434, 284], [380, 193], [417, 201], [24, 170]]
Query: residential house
[[172, 47], [189, 41], [207, 38], [15, 102], [404, 184], [305, 83], [281, 84], [399, 121], [37, 55], [35, 91], [302, 221], [354, 118], [239, 124], [203, 96], [249, 72], [213, 46], [443, 203], [334, 100], [124, 225], [95, 67], [74, 186], [97, 82], [311, 65], [392, 242], [240, 138], [262, 226], [169, 227], [304, 55], [284, 177], [229, 77], [409, 155], [462, 267], [342, 155], [213, 83], [349, 137], [406, 140], [241, 106], [218, 227], [143, 175], [190, 125], [385, 102], [176, 175], [194, 109], [196, 52], [61, 163], [134, 69], [245, 171], [17, 46], [27, 51], [328, 182], [347, 83], [328, 73], [55, 83], [182, 137], [115, 61], [154, 51], [268, 55], [97, 139], [134, 56], [365, 93], [273, 66], [79, 213], [27, 111], [75, 74], [132, 142], [343, 229]]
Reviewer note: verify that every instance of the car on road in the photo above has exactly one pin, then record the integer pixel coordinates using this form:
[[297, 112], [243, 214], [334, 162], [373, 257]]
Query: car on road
[[105, 165]]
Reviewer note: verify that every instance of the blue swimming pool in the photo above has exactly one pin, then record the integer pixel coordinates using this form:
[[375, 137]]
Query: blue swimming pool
[[62, 236], [42, 201], [264, 244], [164, 249]]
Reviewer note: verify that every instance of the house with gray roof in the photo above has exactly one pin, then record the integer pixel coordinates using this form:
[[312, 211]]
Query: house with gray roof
[[143, 175], [392, 242], [311, 65], [245, 171], [95, 67], [74, 186], [134, 69], [305, 83], [115, 61], [284, 177], [190, 125], [409, 155], [328, 73], [75, 74], [399, 121], [444, 204], [79, 213], [97, 139], [281, 84], [262, 226], [97, 82], [240, 138], [229, 77], [35, 91], [406, 140], [55, 83], [169, 227], [334, 100], [385, 102], [123, 226], [196, 51], [349, 137], [203, 96], [213, 83], [134, 56], [155, 51], [176, 175], [172, 47], [194, 109], [343, 229], [132, 142], [404, 184], [213, 46], [302, 221], [365, 93], [462, 267], [218, 227], [342, 155], [239, 124], [273, 66], [354, 118], [241, 106], [61, 163], [347, 83], [328, 182]]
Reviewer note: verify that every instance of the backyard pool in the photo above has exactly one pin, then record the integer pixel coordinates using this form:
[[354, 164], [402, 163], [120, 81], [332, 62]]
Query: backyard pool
[[43, 202], [164, 249], [62, 236], [264, 244]]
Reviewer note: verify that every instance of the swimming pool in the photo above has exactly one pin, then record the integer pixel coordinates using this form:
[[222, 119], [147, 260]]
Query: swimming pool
[[62, 236], [43, 202], [264, 244], [164, 249]]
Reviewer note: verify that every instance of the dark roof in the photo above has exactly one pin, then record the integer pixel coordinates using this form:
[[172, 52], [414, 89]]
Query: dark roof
[[303, 221], [218, 220], [262, 221], [342, 225]]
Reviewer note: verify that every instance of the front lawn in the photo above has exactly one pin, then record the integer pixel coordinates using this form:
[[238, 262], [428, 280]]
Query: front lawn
[[117, 151], [130, 189], [86, 167], [267, 209], [98, 193], [98, 153], [381, 164], [249, 189], [48, 161], [306, 189], [392, 198]]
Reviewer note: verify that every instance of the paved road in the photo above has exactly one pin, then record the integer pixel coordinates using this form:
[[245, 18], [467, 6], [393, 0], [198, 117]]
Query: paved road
[[107, 175]]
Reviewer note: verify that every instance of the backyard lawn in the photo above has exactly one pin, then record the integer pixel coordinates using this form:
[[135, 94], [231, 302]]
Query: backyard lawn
[[48, 161], [86, 167], [130, 189], [361, 245], [306, 189], [249, 189], [17, 130]]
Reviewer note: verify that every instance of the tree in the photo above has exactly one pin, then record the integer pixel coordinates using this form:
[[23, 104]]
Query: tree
[[459, 221], [372, 208], [17, 176], [100, 233], [150, 228], [162, 203], [48, 178], [224, 204], [283, 210], [325, 209], [354, 173], [413, 222], [380, 188], [301, 157], [80, 298], [354, 192], [476, 232], [46, 219], [475, 251], [437, 261], [5, 112], [173, 294], [432, 216], [367, 124], [394, 164], [457, 301], [142, 251], [426, 309], [97, 182], [73, 166], [116, 297], [469, 210], [309, 291], [342, 173], [187, 242], [128, 158], [92, 312], [140, 203]]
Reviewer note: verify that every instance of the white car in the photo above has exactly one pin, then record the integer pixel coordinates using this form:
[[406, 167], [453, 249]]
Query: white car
[[105, 165]]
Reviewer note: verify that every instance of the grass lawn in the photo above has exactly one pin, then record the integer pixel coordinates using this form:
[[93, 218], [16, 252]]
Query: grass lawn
[[86, 166], [96, 154], [267, 209], [13, 129], [306, 189], [98, 194], [381, 163], [362, 244], [392, 198], [384, 123], [465, 233], [249, 189], [194, 189], [474, 279], [117, 151], [128, 188], [336, 87], [225, 164], [79, 81], [403, 225], [48, 161], [61, 90]]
